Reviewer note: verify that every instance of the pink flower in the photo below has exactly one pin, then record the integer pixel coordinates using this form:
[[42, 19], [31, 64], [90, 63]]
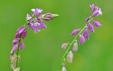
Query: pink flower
[[92, 7], [24, 35], [15, 41], [21, 46], [90, 27], [97, 24], [81, 40], [97, 13], [75, 32], [86, 33]]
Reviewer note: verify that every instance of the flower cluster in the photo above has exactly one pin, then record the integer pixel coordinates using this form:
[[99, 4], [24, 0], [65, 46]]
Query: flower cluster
[[81, 33], [35, 21], [17, 44]]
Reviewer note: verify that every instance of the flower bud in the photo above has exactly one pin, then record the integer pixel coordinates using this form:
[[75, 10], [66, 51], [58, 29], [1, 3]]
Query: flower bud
[[75, 46], [21, 46], [97, 24], [15, 41], [19, 58], [64, 46], [70, 57], [54, 15], [63, 69], [86, 33], [21, 30], [75, 32], [90, 27], [24, 35], [81, 40], [17, 35], [28, 17], [64, 62], [92, 7], [14, 48], [34, 13], [87, 20], [17, 69], [13, 61]]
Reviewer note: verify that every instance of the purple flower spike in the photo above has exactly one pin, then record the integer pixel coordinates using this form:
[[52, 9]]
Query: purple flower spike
[[21, 46], [86, 34], [97, 24], [75, 46], [90, 27], [81, 39], [75, 32], [92, 7], [15, 41], [35, 12], [24, 35]]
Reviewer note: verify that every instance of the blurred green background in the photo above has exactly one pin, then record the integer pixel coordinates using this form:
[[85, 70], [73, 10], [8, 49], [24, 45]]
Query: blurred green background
[[43, 51]]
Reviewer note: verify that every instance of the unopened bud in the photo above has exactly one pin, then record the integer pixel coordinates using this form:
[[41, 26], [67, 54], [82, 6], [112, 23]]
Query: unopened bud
[[70, 57], [75, 46], [64, 62], [64, 46], [63, 69], [54, 15], [17, 69]]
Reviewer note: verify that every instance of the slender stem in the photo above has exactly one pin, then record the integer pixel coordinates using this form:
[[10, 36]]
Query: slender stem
[[17, 53], [70, 47]]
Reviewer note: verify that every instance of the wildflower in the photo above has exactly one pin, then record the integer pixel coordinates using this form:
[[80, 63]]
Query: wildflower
[[86, 33], [97, 24], [90, 27], [15, 41], [21, 46], [92, 7], [97, 13], [24, 35], [75, 32], [81, 40]]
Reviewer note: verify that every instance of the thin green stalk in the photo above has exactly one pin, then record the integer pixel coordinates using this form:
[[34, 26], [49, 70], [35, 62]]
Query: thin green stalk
[[59, 69], [17, 53]]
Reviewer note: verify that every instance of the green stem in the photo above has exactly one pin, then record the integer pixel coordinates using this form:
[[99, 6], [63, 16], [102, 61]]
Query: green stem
[[59, 69], [17, 53]]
